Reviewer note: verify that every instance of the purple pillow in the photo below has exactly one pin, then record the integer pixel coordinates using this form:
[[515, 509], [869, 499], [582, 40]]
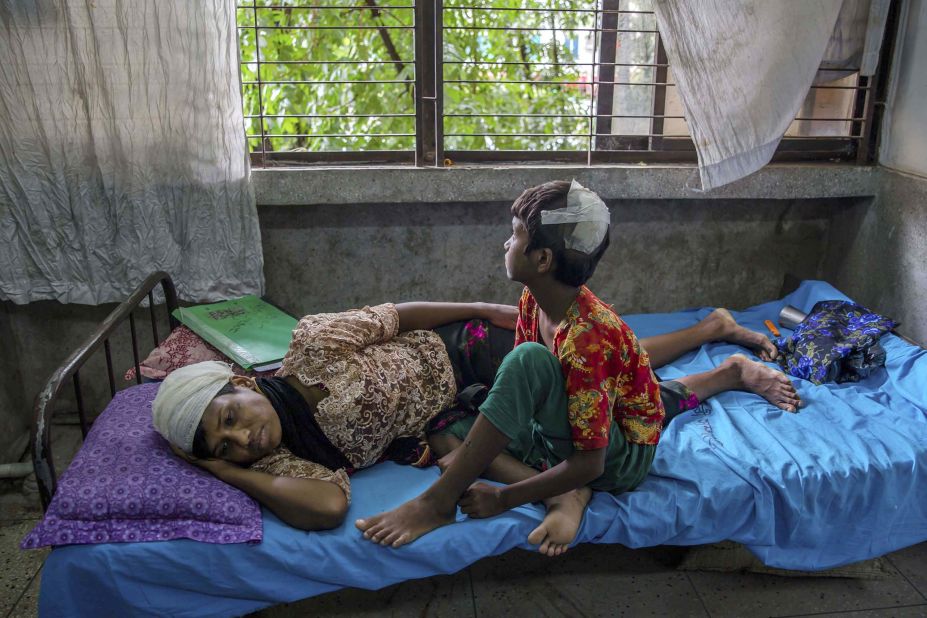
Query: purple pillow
[[125, 485]]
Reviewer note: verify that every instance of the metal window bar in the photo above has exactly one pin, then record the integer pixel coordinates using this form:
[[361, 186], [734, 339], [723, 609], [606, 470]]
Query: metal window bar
[[601, 24], [276, 76], [600, 81]]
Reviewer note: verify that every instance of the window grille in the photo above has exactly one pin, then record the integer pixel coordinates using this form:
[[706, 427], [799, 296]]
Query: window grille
[[323, 82], [437, 82]]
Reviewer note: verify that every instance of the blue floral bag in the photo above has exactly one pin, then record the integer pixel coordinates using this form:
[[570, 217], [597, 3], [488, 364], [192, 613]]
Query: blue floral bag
[[837, 342]]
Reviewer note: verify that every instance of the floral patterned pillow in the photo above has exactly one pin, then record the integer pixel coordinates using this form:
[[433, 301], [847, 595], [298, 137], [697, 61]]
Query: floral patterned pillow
[[181, 348]]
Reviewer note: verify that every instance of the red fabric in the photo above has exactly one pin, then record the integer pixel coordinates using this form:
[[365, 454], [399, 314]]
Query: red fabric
[[607, 373], [181, 348]]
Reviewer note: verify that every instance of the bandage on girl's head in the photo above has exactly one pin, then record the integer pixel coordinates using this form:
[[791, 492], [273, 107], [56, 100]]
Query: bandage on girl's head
[[588, 212]]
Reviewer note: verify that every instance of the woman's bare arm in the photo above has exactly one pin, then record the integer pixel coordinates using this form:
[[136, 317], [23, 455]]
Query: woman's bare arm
[[308, 504], [425, 315]]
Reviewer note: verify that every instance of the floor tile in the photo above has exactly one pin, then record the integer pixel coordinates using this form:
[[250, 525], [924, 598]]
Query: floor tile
[[18, 504], [434, 597], [28, 605], [747, 594], [912, 562], [590, 580], [17, 567]]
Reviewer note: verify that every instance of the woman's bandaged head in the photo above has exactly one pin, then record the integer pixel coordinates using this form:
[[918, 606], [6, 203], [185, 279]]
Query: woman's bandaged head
[[183, 398], [588, 212]]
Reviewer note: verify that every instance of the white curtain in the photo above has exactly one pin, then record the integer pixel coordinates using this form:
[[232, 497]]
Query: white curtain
[[743, 69], [122, 151], [856, 40]]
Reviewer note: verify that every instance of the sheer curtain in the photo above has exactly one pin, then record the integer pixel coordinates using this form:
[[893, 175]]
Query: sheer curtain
[[122, 151], [743, 70]]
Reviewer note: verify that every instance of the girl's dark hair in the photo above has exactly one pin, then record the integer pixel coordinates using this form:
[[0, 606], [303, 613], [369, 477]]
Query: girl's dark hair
[[200, 448], [573, 268]]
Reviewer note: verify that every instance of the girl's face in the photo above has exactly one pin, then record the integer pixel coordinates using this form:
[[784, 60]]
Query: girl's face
[[241, 427], [517, 264]]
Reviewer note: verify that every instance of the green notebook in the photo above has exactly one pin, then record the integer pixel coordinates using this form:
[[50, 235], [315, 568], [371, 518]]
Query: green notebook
[[250, 331]]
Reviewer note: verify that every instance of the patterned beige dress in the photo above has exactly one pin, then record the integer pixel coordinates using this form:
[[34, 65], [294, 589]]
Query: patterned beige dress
[[382, 385]]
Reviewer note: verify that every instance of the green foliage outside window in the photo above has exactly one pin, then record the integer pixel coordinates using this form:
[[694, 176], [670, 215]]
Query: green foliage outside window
[[537, 47]]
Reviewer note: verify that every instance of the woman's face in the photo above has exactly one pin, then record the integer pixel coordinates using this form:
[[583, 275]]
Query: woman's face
[[242, 426]]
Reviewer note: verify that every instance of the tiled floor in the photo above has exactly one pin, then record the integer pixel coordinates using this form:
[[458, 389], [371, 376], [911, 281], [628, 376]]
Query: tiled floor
[[590, 580], [597, 580]]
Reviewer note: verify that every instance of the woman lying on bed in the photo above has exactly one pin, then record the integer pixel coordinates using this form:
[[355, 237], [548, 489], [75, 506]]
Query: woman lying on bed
[[354, 383]]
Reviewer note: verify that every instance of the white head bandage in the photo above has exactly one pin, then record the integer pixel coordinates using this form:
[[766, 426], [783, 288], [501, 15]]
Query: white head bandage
[[588, 212], [183, 398]]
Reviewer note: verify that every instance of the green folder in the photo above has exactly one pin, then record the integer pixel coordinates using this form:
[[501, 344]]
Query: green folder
[[250, 331]]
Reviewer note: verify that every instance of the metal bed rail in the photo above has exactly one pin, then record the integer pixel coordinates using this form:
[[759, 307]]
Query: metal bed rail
[[69, 370]]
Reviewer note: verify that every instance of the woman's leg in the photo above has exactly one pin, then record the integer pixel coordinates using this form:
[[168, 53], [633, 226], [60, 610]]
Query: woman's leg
[[503, 469], [719, 325], [739, 373]]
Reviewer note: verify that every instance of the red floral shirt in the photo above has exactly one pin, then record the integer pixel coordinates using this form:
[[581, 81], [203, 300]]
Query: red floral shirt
[[607, 373]]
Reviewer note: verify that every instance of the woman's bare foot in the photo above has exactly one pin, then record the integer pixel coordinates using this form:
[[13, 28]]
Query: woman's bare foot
[[770, 384], [724, 328], [560, 525], [405, 523]]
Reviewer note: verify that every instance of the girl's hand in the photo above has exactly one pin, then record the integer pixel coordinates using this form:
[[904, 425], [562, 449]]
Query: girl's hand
[[502, 316], [211, 465], [482, 500]]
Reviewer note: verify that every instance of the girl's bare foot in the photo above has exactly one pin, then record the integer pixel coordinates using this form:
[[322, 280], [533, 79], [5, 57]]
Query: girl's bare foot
[[724, 328], [770, 384], [405, 523], [560, 525]]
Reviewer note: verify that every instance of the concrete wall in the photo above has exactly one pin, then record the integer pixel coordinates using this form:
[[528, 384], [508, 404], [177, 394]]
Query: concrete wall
[[14, 421], [878, 255], [664, 255]]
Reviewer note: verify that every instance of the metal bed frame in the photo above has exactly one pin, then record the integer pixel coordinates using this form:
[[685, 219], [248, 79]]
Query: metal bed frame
[[70, 370]]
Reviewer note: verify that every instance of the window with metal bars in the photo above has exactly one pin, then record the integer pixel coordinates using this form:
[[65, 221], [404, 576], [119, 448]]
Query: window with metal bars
[[433, 82]]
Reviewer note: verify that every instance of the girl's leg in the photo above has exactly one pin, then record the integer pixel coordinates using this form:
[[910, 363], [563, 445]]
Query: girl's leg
[[437, 505], [564, 512], [529, 381], [719, 325]]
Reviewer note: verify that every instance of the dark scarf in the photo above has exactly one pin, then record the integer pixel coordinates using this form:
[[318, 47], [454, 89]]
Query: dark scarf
[[301, 433]]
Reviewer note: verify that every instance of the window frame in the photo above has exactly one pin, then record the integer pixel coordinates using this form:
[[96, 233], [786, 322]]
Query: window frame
[[857, 148]]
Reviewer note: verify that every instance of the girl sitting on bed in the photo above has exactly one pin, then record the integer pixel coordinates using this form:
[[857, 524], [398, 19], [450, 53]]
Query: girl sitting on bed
[[575, 406], [353, 384]]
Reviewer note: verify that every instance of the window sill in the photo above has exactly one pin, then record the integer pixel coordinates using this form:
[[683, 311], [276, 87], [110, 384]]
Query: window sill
[[497, 183]]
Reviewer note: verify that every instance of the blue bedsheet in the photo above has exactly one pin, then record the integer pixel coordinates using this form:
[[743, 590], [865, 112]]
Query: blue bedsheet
[[842, 481]]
